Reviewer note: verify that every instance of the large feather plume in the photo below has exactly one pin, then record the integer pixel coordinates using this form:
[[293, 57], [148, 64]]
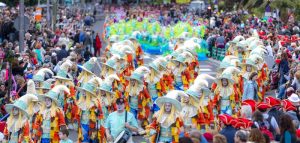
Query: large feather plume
[[189, 57], [231, 70], [43, 71], [95, 80], [93, 60], [227, 59], [259, 51], [135, 33], [27, 98], [235, 62], [66, 65], [127, 49], [238, 38], [142, 70], [250, 39], [60, 88], [109, 79], [30, 87], [256, 58], [204, 77]]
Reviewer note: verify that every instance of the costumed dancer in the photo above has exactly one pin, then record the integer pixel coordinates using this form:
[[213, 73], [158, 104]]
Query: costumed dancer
[[197, 109], [67, 101], [226, 95], [17, 128], [127, 55], [33, 106], [181, 39], [90, 115], [247, 68], [138, 51], [110, 67], [180, 71], [47, 85], [138, 97], [262, 77], [191, 46], [86, 73], [167, 122], [154, 82], [112, 39], [108, 97], [241, 49], [50, 119], [232, 50], [39, 78]]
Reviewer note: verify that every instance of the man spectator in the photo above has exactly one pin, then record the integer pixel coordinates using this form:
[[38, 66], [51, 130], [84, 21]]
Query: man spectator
[[63, 53], [220, 44]]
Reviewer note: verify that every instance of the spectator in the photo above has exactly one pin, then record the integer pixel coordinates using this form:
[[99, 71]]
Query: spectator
[[283, 68], [98, 45], [220, 45], [251, 88], [296, 81], [63, 135], [219, 139], [241, 136], [256, 136], [185, 140], [287, 130], [62, 53]]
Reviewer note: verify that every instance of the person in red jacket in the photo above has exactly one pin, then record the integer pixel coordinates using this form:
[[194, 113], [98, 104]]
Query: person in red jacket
[[98, 45]]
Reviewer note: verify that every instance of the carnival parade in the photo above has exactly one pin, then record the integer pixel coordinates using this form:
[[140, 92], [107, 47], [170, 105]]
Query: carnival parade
[[143, 77]]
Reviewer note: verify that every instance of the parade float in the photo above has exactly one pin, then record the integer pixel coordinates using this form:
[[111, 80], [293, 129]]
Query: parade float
[[155, 38]]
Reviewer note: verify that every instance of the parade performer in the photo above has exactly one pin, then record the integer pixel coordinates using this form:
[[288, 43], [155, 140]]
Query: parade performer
[[138, 51], [113, 66], [180, 71], [90, 115], [108, 97], [50, 119], [17, 128], [192, 46], [167, 122], [154, 82], [226, 95], [112, 39], [232, 50], [262, 75], [33, 106], [180, 41], [247, 68], [67, 101], [47, 85], [86, 73], [39, 77], [137, 96], [197, 109], [127, 55], [241, 50]]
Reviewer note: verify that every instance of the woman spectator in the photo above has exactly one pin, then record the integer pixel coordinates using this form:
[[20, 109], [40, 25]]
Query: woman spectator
[[287, 129], [18, 67], [241, 136], [256, 136], [296, 81], [251, 88], [283, 68], [218, 138]]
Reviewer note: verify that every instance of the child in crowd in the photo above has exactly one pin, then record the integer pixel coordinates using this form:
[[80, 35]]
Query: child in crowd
[[63, 135]]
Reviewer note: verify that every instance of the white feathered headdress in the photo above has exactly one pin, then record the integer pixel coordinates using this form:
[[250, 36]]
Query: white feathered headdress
[[30, 87], [60, 88], [109, 79], [43, 71]]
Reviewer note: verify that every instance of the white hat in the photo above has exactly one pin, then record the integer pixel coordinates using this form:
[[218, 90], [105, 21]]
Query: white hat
[[294, 98]]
